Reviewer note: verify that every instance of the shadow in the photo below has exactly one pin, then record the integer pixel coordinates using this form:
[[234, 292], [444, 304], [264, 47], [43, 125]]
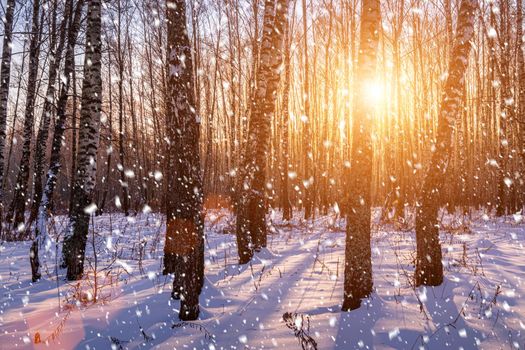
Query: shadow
[[356, 327]]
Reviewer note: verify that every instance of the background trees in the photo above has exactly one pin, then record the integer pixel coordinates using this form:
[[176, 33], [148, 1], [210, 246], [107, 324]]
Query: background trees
[[289, 117], [412, 61]]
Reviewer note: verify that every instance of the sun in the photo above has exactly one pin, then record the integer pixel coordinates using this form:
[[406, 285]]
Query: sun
[[373, 91]]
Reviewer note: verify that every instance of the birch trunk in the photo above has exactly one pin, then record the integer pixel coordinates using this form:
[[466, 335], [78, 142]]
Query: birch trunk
[[21, 195], [285, 200], [48, 109], [5, 78], [307, 125], [88, 139], [121, 141], [429, 268], [358, 263], [252, 207], [503, 199], [41, 236], [184, 249], [521, 84]]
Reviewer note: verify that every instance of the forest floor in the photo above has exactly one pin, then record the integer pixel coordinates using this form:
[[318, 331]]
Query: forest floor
[[480, 305]]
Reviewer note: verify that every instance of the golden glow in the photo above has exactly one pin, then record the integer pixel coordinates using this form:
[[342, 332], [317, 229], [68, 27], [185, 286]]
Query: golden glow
[[373, 91]]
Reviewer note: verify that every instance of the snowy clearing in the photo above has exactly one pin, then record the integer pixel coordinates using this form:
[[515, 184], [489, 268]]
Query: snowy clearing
[[479, 305]]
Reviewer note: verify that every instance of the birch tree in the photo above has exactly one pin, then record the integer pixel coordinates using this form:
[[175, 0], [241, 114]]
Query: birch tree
[[252, 208], [184, 248], [88, 139], [285, 199], [57, 42], [358, 260], [521, 84], [308, 180], [121, 141], [21, 194], [5, 78], [41, 237], [429, 268]]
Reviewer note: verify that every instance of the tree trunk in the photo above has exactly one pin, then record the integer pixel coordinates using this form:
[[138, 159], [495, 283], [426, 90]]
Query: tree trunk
[[251, 215], [109, 151], [285, 197], [503, 201], [122, 152], [15, 112], [184, 249], [358, 261], [307, 124], [48, 109], [5, 77], [521, 92], [88, 140], [17, 209], [41, 236], [429, 268], [74, 138], [401, 127]]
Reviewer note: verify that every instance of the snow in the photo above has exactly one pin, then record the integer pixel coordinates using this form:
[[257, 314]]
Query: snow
[[479, 305]]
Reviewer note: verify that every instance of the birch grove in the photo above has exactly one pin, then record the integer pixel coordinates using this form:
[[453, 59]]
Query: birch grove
[[265, 121]]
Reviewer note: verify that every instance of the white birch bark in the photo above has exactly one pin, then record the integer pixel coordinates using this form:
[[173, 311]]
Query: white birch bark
[[429, 268], [42, 240], [21, 195], [251, 215], [5, 77], [89, 127]]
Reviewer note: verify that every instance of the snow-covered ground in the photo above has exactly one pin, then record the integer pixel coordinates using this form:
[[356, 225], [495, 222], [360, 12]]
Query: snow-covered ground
[[479, 305]]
